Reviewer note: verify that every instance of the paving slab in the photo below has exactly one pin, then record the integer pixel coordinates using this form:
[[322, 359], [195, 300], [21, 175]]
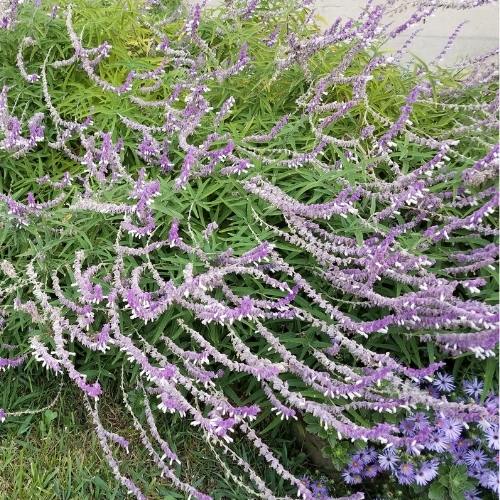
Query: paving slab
[[478, 35]]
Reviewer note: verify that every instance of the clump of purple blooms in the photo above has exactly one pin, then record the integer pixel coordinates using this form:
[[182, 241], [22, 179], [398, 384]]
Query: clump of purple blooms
[[449, 441]]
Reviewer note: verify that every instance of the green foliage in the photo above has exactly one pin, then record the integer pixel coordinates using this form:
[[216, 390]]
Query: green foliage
[[451, 484]]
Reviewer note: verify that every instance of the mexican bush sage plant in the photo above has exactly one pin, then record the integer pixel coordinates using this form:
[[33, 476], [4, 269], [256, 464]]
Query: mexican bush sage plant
[[245, 211]]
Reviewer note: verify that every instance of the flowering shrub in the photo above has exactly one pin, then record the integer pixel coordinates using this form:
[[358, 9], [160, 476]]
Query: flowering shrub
[[245, 220]]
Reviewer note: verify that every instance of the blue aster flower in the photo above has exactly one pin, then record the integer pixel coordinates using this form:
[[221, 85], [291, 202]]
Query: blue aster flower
[[405, 474], [473, 388], [429, 468], [351, 477], [475, 458], [438, 442], [371, 471], [472, 494], [388, 460], [492, 437], [444, 382], [420, 420], [368, 455], [450, 428]]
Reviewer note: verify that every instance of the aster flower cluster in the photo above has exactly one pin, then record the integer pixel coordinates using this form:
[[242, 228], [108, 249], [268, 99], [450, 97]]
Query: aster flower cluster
[[450, 441], [390, 249], [319, 489]]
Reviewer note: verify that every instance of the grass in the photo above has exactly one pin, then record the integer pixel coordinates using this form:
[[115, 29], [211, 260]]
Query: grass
[[55, 464], [56, 455]]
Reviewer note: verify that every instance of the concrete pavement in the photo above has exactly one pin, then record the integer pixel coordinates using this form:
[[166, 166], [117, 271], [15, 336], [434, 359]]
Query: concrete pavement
[[478, 35]]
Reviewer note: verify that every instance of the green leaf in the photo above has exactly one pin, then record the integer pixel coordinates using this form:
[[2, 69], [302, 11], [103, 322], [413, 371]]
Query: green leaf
[[437, 492]]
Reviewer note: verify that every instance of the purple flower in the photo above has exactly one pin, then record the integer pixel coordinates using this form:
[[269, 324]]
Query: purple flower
[[472, 495], [491, 404], [458, 449], [407, 427], [473, 388], [493, 481], [356, 465], [405, 474], [443, 382], [489, 479], [368, 455], [210, 229], [351, 477], [317, 488], [475, 458], [429, 469], [450, 428], [492, 437], [420, 478], [371, 471], [173, 234], [149, 147], [388, 459], [427, 472], [187, 165], [420, 421], [437, 442], [6, 363]]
